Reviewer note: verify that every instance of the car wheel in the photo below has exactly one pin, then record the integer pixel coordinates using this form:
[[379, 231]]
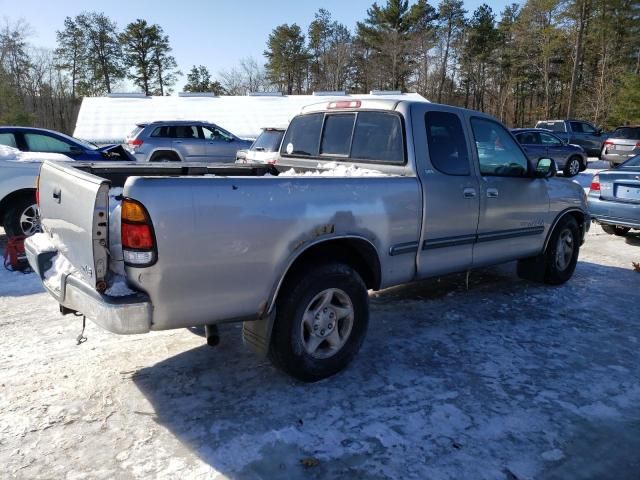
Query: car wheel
[[165, 157], [615, 230], [22, 218], [572, 167], [321, 321], [558, 262]]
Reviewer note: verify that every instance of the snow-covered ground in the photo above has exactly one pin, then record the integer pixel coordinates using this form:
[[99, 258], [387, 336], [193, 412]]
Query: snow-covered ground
[[505, 380]]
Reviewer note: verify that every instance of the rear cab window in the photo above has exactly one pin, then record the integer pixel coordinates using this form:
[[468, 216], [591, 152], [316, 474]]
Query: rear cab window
[[364, 137], [625, 133]]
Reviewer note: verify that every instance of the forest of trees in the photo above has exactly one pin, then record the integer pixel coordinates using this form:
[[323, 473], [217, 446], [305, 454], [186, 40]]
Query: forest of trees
[[533, 60]]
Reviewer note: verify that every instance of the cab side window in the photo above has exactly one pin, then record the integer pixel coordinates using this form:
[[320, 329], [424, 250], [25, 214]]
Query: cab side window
[[446, 141], [550, 140], [498, 153]]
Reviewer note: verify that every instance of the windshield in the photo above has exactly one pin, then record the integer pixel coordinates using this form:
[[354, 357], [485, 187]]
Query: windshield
[[268, 141], [633, 162], [627, 133]]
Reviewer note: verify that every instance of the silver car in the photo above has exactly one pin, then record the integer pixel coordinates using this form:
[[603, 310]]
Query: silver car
[[621, 145], [265, 149], [614, 198], [174, 141]]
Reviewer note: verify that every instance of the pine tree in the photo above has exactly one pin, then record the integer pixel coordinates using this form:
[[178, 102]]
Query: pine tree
[[287, 58]]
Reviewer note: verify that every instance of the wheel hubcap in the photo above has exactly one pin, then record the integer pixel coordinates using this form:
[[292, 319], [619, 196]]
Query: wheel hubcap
[[564, 249], [327, 323], [30, 220], [574, 167]]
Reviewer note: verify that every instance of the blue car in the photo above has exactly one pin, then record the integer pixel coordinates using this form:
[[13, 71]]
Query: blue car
[[614, 198], [540, 143], [28, 139]]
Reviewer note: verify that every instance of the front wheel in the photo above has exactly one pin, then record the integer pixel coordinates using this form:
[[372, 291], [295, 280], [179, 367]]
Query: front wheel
[[558, 262], [321, 321], [615, 230], [572, 167], [22, 218]]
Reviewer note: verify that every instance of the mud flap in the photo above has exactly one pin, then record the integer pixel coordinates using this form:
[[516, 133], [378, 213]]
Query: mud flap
[[256, 334]]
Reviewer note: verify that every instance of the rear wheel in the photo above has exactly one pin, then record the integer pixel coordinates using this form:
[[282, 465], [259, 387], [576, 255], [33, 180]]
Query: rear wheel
[[22, 218], [615, 230], [558, 262], [572, 167], [321, 321]]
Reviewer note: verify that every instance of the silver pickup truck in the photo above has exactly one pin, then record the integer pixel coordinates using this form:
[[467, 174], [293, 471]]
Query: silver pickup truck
[[367, 194]]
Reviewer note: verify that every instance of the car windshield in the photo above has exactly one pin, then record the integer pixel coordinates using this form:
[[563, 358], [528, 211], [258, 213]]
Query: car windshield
[[633, 162], [627, 133], [268, 141]]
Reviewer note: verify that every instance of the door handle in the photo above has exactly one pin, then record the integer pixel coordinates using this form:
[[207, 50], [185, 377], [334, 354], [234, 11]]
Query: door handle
[[178, 141], [492, 193], [469, 192], [57, 195]]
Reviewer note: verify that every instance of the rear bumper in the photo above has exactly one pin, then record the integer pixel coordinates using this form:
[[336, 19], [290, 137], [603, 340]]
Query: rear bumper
[[617, 159], [123, 315], [614, 213]]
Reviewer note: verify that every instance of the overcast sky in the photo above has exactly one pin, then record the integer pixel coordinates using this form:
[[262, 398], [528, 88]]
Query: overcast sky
[[213, 33]]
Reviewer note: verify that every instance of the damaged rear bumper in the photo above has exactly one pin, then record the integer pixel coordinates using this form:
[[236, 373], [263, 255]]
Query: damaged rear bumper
[[123, 315]]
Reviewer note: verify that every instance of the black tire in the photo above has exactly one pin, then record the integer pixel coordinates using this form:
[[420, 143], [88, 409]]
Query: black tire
[[572, 167], [11, 221], [165, 157], [548, 267], [615, 230], [289, 350]]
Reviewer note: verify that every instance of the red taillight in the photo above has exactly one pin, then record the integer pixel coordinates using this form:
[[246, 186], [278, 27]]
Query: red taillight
[[608, 142], [638, 145], [135, 142], [595, 184], [138, 239], [345, 104]]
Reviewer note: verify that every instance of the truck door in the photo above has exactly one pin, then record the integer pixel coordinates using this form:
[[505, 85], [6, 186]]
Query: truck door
[[513, 206], [449, 189]]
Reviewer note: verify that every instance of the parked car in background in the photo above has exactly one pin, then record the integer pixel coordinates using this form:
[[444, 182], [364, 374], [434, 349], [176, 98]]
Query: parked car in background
[[265, 149], [183, 141], [29, 139], [540, 143], [18, 173], [292, 254], [621, 145], [577, 132], [614, 198]]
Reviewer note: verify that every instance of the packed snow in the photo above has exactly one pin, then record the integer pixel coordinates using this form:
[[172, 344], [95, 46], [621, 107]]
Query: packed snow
[[13, 154], [42, 243], [333, 169], [60, 267], [503, 380]]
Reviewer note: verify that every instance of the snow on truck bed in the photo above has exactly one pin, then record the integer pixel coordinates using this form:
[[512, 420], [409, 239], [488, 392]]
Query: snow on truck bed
[[333, 169]]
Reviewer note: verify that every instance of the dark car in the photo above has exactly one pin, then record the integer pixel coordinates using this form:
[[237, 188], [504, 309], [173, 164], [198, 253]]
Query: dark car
[[540, 143], [577, 132], [28, 139], [614, 198]]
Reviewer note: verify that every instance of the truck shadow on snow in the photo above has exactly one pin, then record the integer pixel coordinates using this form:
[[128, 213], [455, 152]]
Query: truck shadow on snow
[[444, 371]]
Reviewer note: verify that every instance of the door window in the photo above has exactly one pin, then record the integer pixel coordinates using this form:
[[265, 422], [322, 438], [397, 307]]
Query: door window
[[498, 153], [8, 139], [185, 131], [210, 133], [446, 141], [43, 143], [550, 140], [529, 138]]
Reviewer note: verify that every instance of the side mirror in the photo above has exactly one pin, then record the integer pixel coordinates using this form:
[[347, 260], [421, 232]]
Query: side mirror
[[546, 168], [599, 131]]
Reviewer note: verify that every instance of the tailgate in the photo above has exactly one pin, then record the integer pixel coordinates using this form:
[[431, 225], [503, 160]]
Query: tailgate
[[74, 210], [620, 186]]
